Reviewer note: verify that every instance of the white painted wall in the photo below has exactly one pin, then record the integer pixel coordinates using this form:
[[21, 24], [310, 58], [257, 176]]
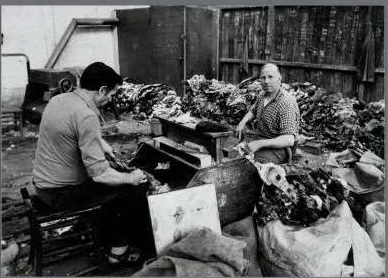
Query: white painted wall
[[88, 45], [36, 30]]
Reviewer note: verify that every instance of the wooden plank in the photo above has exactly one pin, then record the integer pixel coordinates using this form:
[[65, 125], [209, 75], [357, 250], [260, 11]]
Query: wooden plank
[[223, 72], [217, 44], [191, 129], [303, 35], [253, 35], [263, 33], [378, 28], [13, 211], [301, 65], [231, 34], [14, 226], [225, 34], [181, 133], [195, 158], [255, 70], [184, 45], [269, 45], [348, 85], [236, 44]]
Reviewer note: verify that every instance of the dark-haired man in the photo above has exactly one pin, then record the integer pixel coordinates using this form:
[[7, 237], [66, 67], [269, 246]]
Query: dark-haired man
[[275, 117], [70, 167]]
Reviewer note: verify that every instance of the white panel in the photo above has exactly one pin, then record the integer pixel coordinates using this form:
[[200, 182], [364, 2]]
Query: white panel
[[88, 45], [14, 79], [180, 211]]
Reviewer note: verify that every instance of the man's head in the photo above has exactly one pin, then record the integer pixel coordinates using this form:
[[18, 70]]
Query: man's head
[[270, 78], [100, 78]]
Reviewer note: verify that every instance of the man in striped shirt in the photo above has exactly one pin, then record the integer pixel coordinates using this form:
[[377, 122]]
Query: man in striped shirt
[[275, 120]]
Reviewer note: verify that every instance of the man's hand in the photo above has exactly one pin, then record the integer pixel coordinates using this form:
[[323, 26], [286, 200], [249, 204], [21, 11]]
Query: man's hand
[[108, 149], [247, 148], [239, 130], [242, 148], [137, 177]]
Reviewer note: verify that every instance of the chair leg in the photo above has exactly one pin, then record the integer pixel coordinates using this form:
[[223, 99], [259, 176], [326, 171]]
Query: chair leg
[[37, 253], [37, 263], [98, 246], [31, 254]]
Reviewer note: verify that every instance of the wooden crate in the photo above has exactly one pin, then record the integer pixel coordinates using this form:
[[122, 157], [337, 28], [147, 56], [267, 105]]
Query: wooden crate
[[236, 181], [12, 120]]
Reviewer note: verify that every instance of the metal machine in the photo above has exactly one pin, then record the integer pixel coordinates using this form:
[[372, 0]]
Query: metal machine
[[43, 85]]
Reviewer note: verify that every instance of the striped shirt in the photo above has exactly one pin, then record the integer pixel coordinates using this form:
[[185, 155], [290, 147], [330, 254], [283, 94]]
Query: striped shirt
[[279, 117]]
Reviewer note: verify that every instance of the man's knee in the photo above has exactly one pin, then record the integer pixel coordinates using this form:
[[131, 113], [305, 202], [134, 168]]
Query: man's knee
[[276, 156]]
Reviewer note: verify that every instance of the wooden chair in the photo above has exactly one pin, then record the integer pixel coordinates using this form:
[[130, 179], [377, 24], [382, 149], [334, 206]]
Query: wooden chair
[[56, 235]]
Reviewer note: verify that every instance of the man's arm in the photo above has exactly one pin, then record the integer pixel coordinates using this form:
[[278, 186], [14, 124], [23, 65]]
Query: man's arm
[[282, 141], [241, 126], [111, 177]]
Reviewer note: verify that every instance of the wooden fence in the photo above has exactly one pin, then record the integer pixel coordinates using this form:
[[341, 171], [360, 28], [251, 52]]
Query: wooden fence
[[321, 44]]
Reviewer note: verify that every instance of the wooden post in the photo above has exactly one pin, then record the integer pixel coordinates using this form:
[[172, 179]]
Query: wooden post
[[269, 46], [184, 49], [216, 60]]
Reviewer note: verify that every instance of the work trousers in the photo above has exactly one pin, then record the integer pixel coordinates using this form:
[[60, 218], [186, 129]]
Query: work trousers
[[124, 215], [267, 155]]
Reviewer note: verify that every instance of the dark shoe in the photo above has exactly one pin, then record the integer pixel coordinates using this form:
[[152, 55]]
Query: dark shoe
[[131, 256]]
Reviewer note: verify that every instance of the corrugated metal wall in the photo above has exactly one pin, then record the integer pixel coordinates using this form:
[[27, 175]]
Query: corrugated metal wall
[[319, 44]]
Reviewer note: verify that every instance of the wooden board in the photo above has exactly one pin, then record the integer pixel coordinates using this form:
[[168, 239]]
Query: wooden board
[[179, 211], [212, 141], [198, 159]]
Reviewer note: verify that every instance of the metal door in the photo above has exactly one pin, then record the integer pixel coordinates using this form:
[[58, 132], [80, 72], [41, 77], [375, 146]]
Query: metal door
[[150, 45]]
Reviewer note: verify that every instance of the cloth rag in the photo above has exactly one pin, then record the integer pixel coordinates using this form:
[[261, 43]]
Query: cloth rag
[[200, 253]]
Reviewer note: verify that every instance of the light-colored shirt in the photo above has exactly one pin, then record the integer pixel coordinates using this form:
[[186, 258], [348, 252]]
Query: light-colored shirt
[[70, 147], [278, 117]]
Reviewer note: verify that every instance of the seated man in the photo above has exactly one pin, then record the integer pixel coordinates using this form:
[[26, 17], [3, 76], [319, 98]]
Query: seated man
[[276, 120], [71, 169]]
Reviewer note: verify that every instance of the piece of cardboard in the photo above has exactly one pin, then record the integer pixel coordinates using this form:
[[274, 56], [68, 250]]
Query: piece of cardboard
[[177, 212]]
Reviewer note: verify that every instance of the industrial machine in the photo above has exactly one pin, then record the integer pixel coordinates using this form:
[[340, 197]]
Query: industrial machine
[[43, 85]]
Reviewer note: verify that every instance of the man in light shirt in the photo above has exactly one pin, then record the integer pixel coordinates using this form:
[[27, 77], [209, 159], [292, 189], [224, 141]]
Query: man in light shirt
[[71, 169]]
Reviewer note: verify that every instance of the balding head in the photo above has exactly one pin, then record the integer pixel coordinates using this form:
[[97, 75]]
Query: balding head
[[271, 67], [270, 78]]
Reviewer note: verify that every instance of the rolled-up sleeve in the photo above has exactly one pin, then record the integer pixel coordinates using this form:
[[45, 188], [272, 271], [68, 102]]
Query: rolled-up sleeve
[[90, 144]]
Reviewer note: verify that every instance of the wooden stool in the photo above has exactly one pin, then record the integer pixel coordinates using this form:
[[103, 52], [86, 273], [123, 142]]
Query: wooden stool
[[48, 244]]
